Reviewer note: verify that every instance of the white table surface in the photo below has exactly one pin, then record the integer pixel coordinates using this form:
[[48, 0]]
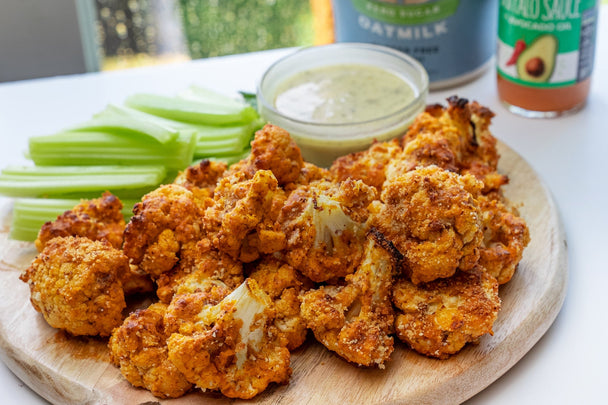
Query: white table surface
[[569, 364]]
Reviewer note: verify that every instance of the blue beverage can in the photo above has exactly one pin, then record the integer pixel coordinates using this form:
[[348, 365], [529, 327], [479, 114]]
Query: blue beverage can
[[455, 40]]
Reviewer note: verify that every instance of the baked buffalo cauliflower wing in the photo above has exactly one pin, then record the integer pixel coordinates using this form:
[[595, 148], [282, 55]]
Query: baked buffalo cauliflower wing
[[355, 320], [165, 224], [74, 283], [432, 217], [505, 236], [284, 285], [369, 165], [96, 219], [208, 263], [455, 138], [272, 149], [139, 348], [439, 318], [233, 346], [324, 226], [202, 176], [242, 220]]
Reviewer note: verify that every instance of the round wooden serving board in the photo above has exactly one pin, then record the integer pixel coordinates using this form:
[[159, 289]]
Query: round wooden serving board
[[68, 370]]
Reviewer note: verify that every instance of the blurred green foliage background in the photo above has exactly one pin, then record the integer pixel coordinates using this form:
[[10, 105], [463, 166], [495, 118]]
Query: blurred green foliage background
[[141, 32], [221, 27]]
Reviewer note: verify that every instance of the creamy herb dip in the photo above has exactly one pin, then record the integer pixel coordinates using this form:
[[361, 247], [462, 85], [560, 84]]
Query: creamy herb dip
[[341, 94]]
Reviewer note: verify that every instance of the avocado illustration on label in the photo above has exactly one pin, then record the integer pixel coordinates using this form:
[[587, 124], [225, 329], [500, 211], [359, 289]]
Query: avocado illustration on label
[[536, 62]]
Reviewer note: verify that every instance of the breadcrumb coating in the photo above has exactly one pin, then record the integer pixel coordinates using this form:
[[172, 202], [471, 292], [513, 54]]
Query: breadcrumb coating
[[96, 219], [323, 241], [139, 348], [242, 220], [432, 217], [355, 320], [203, 175], [74, 283], [233, 346], [206, 263], [369, 165], [439, 318], [506, 235], [284, 285], [168, 221], [273, 149]]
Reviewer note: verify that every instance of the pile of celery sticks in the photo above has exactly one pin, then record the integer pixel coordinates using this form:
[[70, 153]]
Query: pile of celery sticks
[[128, 150]]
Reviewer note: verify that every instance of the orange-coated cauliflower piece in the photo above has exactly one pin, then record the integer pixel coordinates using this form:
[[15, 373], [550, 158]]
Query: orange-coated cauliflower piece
[[324, 226], [233, 347], [432, 217], [165, 224], [75, 284], [438, 318], [96, 219], [355, 320], [369, 165], [207, 263], [139, 348], [203, 175], [455, 138], [506, 235], [242, 220], [272, 149], [284, 285]]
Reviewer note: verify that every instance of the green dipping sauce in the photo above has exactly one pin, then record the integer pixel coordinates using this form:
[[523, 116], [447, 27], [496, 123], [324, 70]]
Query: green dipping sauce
[[343, 94]]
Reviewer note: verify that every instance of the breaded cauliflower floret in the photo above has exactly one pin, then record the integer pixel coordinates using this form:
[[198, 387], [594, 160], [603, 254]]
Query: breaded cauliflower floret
[[139, 348], [438, 318], [207, 263], [284, 284], [96, 219], [272, 149], [242, 220], [432, 217], [456, 138], [506, 235], [323, 224], [355, 320], [233, 346], [165, 224], [368, 166], [203, 175], [74, 283]]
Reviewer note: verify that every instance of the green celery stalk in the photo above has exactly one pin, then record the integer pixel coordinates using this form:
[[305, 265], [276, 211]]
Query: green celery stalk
[[197, 112], [197, 93], [81, 181], [100, 148], [128, 125], [230, 159]]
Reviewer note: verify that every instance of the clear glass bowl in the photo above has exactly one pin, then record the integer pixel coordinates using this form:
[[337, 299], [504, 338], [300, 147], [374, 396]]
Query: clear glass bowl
[[321, 144]]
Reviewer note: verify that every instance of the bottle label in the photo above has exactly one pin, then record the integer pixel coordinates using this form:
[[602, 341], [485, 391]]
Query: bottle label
[[546, 43], [451, 38]]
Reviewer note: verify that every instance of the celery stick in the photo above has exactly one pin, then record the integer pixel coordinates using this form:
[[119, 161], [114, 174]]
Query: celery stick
[[197, 93], [196, 112], [232, 158], [79, 181], [241, 131], [128, 125], [100, 148], [79, 170], [209, 148]]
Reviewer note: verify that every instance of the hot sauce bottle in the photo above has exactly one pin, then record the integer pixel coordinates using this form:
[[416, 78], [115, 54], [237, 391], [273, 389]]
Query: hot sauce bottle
[[545, 55]]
